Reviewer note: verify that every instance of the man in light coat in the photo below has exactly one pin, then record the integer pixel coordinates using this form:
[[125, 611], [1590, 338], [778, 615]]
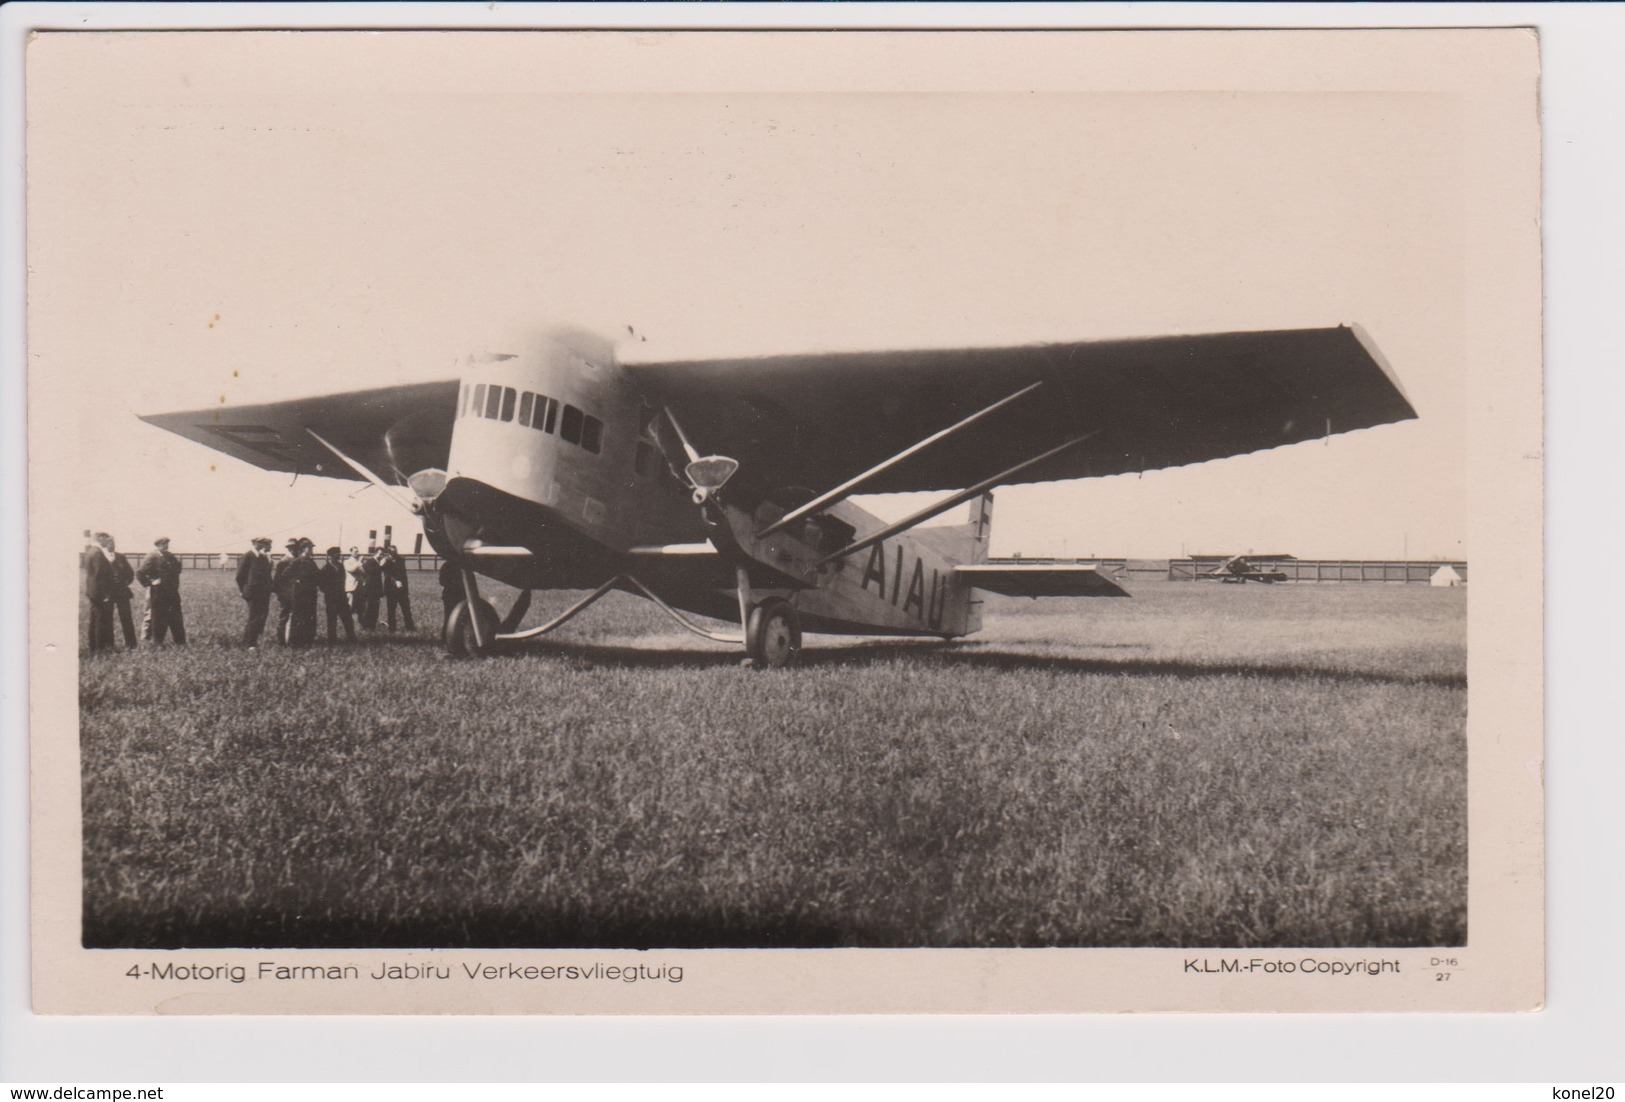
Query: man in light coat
[[160, 575], [352, 580]]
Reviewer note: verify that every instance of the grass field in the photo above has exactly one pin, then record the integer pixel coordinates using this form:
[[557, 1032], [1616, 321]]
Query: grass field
[[1203, 765]]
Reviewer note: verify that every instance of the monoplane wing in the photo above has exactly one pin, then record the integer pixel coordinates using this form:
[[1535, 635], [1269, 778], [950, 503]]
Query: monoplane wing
[[1040, 579], [393, 430], [815, 420]]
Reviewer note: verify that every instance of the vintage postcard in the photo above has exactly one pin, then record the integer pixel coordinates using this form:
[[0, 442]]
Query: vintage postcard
[[710, 523]]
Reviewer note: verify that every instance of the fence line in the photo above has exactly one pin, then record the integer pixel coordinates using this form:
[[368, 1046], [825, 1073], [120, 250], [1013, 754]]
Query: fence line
[[225, 560], [1392, 571]]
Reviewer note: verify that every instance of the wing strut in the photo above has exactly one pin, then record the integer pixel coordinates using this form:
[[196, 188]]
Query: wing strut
[[850, 486], [389, 491], [682, 437], [948, 503]]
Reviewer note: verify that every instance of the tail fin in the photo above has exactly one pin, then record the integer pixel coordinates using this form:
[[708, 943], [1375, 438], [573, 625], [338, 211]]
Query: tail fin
[[981, 526], [963, 543], [980, 529]]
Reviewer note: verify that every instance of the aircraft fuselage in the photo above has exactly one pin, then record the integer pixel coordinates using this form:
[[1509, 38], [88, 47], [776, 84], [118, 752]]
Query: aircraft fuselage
[[557, 479]]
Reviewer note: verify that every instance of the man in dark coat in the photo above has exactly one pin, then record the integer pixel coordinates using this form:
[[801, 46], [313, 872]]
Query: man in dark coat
[[99, 591], [282, 587], [372, 588], [160, 575], [254, 583], [396, 589], [297, 584], [123, 576], [333, 577]]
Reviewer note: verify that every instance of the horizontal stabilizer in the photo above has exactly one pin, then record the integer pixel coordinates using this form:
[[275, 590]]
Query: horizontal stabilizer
[[1040, 580]]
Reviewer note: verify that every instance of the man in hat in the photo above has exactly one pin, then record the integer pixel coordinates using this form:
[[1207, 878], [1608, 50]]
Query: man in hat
[[160, 576], [372, 588], [297, 583], [334, 577], [352, 581], [282, 587], [396, 590], [123, 575], [99, 591], [254, 583]]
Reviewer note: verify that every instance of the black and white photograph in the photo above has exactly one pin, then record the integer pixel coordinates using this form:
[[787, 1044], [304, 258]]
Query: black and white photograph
[[565, 506]]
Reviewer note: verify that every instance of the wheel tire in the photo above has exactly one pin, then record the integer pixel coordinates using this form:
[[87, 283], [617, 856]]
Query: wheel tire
[[773, 638], [459, 631]]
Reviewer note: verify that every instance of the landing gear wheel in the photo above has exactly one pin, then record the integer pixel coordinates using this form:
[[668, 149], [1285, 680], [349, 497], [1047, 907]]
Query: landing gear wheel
[[773, 637], [459, 631]]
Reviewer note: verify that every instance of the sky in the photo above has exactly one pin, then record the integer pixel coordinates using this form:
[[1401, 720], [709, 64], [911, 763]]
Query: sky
[[234, 219]]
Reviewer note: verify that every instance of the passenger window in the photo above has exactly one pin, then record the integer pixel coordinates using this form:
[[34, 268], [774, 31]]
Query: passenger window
[[526, 401], [508, 397], [592, 433], [571, 428]]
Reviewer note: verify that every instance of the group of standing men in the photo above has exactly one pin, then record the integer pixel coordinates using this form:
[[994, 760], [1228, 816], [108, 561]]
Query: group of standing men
[[108, 575], [350, 589]]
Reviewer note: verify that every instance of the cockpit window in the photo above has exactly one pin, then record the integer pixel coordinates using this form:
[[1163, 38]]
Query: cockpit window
[[570, 428], [537, 411]]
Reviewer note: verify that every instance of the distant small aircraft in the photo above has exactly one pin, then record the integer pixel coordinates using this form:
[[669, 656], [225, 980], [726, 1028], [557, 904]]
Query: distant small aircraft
[[1240, 569], [557, 465]]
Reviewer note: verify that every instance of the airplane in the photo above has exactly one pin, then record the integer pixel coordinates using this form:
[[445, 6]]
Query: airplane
[[1240, 569], [722, 488]]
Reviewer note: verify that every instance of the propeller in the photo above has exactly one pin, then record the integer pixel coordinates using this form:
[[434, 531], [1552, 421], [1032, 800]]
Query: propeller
[[709, 474], [705, 474], [427, 484], [392, 492], [416, 442]]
